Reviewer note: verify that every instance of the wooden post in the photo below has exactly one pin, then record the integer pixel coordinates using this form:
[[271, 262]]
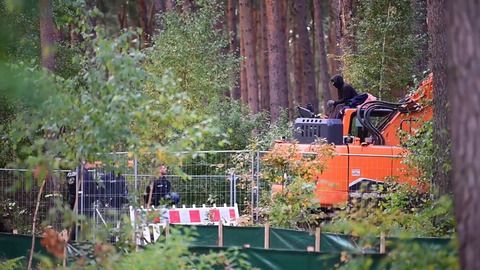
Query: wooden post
[[150, 194], [266, 241], [220, 234], [167, 229], [382, 243], [318, 234]]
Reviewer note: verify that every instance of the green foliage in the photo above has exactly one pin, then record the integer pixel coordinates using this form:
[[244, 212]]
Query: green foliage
[[404, 211], [421, 156], [104, 108], [386, 48], [173, 253], [192, 47], [293, 203], [12, 264], [236, 122], [271, 132], [408, 255], [13, 215], [167, 253], [19, 31], [243, 130]]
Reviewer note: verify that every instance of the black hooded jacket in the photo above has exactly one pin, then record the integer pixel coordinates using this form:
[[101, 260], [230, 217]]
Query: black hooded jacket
[[345, 90]]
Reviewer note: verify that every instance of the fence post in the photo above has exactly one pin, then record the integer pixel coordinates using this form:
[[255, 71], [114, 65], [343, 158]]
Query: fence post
[[135, 174], [220, 233], [257, 194], [266, 241], [382, 243], [82, 193], [231, 189], [318, 235], [252, 183], [167, 229], [234, 189], [76, 204]]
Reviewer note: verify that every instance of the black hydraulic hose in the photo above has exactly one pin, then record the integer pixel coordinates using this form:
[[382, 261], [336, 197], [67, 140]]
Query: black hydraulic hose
[[365, 119]]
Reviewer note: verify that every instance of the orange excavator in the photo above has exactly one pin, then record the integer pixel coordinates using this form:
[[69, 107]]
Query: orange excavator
[[367, 144]]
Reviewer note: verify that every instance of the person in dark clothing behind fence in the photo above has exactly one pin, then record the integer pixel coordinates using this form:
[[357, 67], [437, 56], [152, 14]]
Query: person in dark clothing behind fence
[[115, 189], [89, 193], [345, 94], [72, 187], [161, 190]]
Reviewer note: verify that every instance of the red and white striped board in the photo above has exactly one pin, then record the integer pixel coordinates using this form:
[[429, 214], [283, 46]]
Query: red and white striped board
[[228, 215], [187, 215], [150, 221]]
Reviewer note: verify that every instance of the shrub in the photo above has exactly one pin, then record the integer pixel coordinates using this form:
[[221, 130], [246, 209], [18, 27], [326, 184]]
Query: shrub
[[293, 203]]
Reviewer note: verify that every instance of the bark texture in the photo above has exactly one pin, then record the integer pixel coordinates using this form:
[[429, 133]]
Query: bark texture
[[243, 71], [170, 5], [441, 126], [276, 59], [420, 30], [346, 16], [322, 54], [263, 58], [247, 23], [232, 21], [463, 58], [334, 37], [47, 34], [308, 69]]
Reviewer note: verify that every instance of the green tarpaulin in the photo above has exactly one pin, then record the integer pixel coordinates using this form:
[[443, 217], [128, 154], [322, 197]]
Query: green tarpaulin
[[287, 247], [288, 259], [15, 245], [279, 239]]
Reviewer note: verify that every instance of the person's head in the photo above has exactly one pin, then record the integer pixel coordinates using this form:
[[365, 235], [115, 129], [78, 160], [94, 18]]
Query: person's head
[[162, 170], [337, 81]]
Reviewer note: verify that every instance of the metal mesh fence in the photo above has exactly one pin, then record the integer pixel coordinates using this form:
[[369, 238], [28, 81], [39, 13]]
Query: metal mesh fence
[[106, 190], [18, 196], [211, 177]]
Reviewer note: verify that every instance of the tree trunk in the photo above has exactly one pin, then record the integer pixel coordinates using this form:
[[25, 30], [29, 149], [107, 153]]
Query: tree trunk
[[276, 59], [441, 130], [146, 20], [243, 71], [159, 6], [347, 12], [263, 58], [248, 33], [309, 86], [188, 6], [322, 55], [170, 5], [47, 34], [298, 78], [420, 30], [334, 37], [463, 57], [295, 67], [232, 20], [90, 5], [287, 23]]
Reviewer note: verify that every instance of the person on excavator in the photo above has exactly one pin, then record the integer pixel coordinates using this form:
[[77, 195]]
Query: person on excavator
[[345, 94]]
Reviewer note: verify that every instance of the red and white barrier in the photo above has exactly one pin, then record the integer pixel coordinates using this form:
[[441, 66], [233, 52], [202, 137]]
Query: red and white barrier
[[150, 221], [228, 215]]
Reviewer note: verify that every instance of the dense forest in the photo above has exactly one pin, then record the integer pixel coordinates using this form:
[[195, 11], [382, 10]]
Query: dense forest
[[84, 78]]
